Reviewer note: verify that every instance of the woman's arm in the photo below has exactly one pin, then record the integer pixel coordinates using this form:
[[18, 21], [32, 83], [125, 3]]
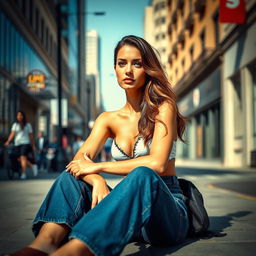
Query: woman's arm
[[159, 152], [92, 146], [32, 141], [10, 138]]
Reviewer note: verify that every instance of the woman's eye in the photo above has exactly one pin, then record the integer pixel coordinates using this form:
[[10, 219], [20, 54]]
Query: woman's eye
[[121, 63], [138, 64]]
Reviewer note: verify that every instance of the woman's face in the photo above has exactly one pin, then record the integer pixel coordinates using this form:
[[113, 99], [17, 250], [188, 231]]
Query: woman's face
[[19, 117], [129, 70]]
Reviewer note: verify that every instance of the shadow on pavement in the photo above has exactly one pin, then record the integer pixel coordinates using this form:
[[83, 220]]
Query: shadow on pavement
[[218, 225], [200, 172]]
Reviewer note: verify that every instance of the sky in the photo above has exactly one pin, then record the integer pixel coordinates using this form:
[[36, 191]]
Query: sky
[[122, 18]]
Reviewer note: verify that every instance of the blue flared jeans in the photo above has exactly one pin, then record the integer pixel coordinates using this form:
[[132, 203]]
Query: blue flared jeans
[[142, 206]]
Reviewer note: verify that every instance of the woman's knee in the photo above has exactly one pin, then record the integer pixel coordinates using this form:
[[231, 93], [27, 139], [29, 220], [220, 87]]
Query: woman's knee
[[142, 173], [65, 178]]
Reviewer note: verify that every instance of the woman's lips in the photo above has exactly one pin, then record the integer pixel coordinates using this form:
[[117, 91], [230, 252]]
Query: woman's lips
[[129, 80]]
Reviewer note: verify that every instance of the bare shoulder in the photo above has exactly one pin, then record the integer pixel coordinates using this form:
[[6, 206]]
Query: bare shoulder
[[167, 108], [107, 116]]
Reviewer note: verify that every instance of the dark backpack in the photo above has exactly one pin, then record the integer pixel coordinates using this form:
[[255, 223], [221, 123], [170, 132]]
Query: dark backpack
[[198, 217]]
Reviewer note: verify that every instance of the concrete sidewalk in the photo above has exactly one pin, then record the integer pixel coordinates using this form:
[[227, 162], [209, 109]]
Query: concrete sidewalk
[[233, 212]]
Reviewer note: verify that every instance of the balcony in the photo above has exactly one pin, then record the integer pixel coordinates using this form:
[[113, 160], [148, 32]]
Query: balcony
[[174, 17], [189, 21], [181, 36], [196, 68], [170, 59], [180, 4], [199, 5], [169, 4], [170, 29], [175, 48]]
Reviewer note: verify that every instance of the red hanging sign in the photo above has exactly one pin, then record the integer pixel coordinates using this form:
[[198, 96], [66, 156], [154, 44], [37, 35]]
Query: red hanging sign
[[232, 11]]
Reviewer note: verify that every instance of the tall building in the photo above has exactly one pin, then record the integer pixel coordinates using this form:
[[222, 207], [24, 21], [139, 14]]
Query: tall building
[[211, 66], [149, 25], [93, 73], [28, 65], [238, 48], [155, 27]]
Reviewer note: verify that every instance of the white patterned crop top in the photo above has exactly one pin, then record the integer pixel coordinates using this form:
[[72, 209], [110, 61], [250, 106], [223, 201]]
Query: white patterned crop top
[[139, 149]]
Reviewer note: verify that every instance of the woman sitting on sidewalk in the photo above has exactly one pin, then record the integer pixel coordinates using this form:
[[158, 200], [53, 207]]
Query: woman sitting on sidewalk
[[147, 205]]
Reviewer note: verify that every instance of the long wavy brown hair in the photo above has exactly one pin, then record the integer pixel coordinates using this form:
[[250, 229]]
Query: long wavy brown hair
[[157, 88]]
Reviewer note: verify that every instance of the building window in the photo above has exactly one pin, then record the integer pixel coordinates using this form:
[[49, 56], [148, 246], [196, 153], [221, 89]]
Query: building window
[[202, 13], [202, 38], [191, 29], [7, 45], [50, 44], [183, 64], [182, 43], [159, 6], [169, 3], [160, 21], [191, 51], [31, 12], [42, 30], [216, 28], [207, 131], [47, 39]]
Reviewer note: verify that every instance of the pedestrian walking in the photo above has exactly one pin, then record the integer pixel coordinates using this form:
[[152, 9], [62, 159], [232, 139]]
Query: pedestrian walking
[[148, 204], [51, 151], [22, 134], [77, 144], [41, 150]]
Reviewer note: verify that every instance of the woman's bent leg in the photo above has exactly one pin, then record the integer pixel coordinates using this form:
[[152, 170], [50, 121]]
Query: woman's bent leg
[[50, 237], [108, 227], [168, 223], [66, 202]]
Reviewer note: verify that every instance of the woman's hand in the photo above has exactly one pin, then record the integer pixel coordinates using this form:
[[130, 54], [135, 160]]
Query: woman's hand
[[99, 191], [7, 143], [82, 167], [100, 188]]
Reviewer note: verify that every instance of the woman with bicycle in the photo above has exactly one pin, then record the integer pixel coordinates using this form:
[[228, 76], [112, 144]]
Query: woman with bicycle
[[22, 133]]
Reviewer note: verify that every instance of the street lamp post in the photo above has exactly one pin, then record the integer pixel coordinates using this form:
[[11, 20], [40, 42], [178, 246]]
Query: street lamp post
[[60, 159]]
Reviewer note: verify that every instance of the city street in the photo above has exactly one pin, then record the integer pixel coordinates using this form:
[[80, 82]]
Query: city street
[[127, 80], [229, 197]]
